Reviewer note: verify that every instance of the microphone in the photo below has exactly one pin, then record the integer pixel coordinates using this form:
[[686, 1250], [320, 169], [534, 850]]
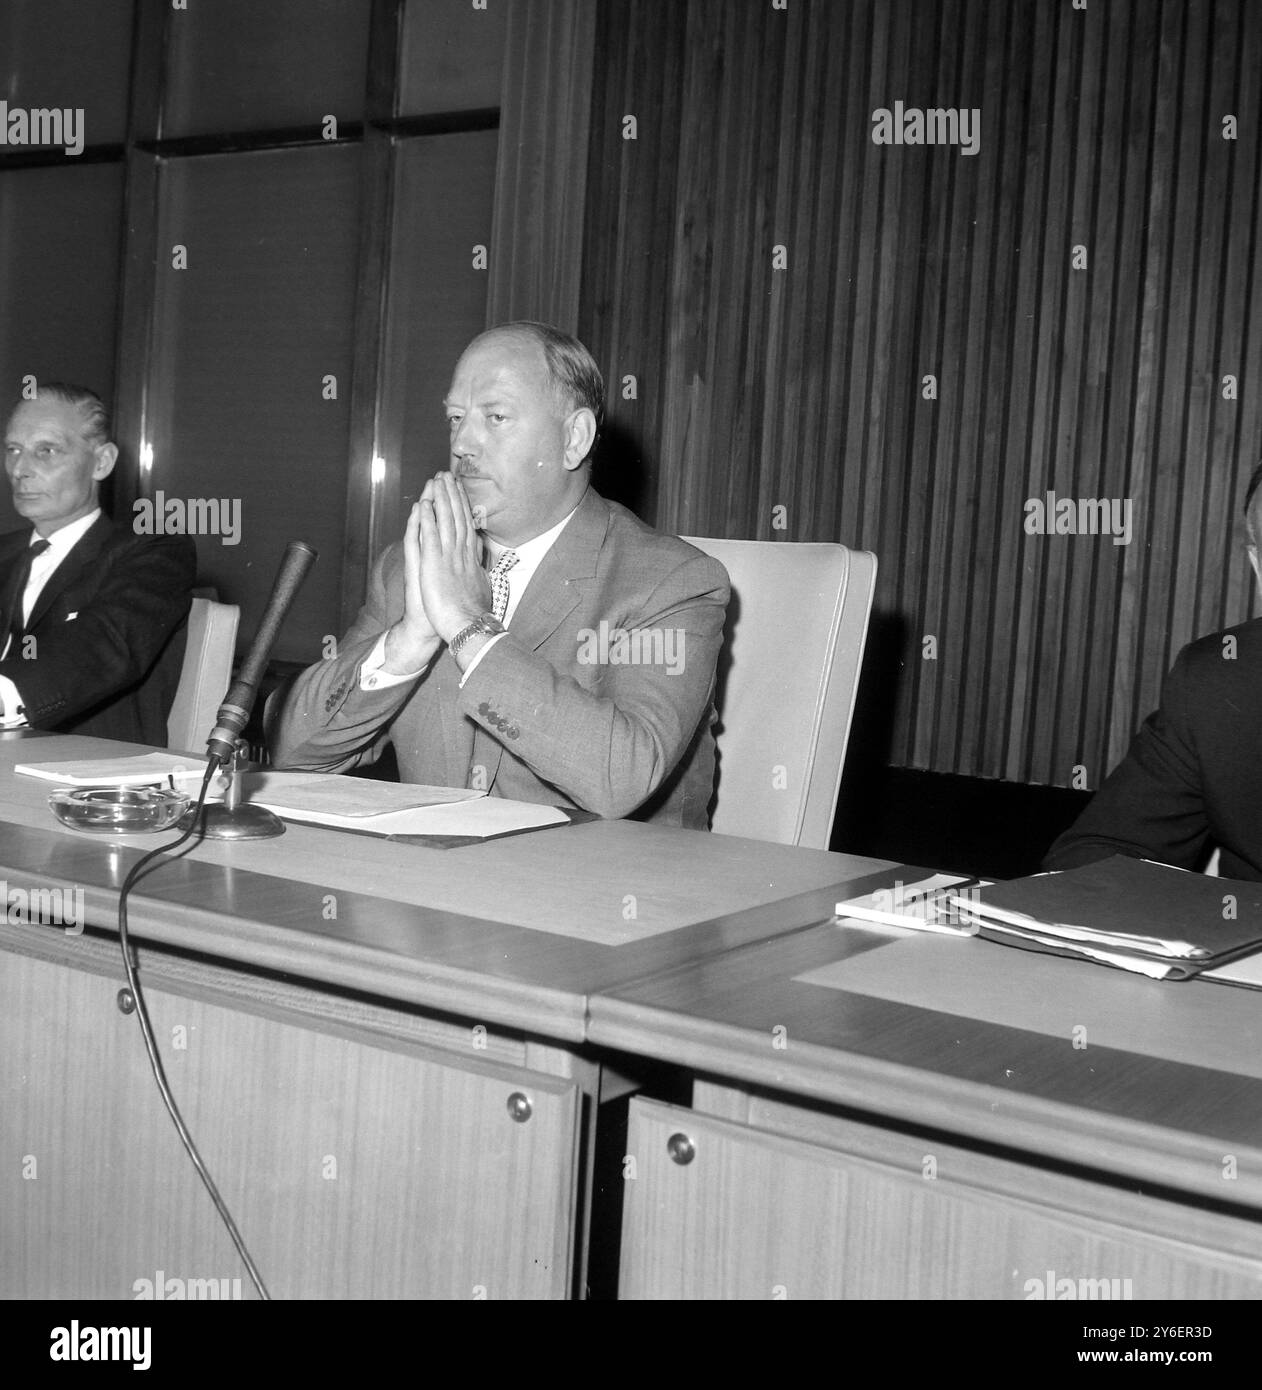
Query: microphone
[[234, 712]]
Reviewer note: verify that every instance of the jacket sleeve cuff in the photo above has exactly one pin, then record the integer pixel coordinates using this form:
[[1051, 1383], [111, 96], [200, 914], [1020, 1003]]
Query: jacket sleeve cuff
[[13, 714]]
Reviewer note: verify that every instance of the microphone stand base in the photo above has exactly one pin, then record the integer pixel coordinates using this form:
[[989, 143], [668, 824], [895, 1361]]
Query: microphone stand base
[[240, 823]]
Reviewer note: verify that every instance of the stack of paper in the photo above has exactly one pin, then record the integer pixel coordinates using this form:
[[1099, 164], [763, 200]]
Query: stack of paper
[[929, 904], [393, 808], [1128, 913], [347, 803], [144, 769], [331, 799]]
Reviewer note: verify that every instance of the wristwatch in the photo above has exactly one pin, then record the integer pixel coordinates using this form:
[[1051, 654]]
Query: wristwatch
[[484, 622]]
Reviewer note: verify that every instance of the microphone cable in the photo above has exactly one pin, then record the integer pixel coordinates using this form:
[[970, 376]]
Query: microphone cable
[[155, 1061]]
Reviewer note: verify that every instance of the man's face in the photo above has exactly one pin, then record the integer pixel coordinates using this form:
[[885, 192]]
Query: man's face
[[54, 471], [509, 439]]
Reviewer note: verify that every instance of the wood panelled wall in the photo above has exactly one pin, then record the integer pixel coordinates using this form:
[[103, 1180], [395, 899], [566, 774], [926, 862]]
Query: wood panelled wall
[[1079, 288]]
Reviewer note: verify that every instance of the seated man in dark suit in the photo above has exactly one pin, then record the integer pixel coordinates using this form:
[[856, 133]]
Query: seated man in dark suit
[[580, 671], [1192, 780], [91, 616]]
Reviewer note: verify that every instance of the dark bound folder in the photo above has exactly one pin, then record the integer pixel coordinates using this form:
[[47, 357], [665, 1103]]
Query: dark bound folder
[[1124, 912]]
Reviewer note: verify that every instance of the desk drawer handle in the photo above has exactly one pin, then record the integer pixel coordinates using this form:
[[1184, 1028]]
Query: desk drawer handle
[[519, 1107], [681, 1149], [126, 1002]]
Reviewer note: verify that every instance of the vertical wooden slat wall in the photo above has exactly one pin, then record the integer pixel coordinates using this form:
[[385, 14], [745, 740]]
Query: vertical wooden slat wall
[[536, 239], [1079, 290]]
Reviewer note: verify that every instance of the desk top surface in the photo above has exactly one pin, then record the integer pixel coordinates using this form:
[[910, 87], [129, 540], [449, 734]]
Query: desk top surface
[[1154, 1079], [518, 931]]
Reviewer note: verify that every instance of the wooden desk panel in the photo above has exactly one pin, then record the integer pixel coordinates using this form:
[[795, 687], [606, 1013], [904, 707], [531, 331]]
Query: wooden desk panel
[[845, 1145], [857, 1212], [744, 1018], [851, 1146], [356, 1166]]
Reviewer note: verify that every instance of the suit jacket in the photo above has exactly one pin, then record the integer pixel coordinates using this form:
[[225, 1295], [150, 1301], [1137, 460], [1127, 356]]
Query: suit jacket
[[109, 629], [544, 716], [1192, 779]]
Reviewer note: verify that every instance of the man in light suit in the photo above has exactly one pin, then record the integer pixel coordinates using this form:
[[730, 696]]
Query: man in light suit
[[1192, 779], [580, 671], [92, 617]]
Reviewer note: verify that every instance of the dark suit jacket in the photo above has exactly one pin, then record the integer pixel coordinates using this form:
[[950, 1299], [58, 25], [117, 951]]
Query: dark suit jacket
[[1192, 780], [537, 716], [109, 630]]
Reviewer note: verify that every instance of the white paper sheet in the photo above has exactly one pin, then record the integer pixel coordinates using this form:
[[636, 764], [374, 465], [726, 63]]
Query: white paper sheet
[[351, 803]]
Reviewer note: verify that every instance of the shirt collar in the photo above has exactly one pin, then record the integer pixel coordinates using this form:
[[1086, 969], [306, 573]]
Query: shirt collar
[[532, 551], [61, 540]]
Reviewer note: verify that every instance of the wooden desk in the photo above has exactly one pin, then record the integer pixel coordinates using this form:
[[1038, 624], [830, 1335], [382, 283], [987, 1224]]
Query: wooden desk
[[393, 1094], [909, 1126]]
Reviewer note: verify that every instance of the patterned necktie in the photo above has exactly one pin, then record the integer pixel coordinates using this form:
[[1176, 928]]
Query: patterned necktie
[[17, 589], [499, 583]]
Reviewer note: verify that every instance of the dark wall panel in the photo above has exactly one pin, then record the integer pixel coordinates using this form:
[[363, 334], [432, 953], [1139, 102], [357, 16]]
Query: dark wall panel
[[59, 251], [243, 340], [436, 303], [68, 54], [240, 65], [451, 56]]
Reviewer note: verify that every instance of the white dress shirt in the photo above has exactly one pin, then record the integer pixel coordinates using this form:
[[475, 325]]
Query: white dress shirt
[[529, 557], [60, 544]]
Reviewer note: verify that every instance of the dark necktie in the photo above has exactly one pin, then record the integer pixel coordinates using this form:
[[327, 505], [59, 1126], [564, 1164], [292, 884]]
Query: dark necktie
[[17, 591]]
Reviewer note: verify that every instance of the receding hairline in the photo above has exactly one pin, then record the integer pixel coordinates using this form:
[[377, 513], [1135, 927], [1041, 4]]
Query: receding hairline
[[493, 336], [508, 330], [94, 417], [505, 394], [571, 372]]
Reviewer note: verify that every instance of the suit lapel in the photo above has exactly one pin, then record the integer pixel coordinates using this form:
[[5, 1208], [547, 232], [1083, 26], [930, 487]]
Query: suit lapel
[[83, 553], [15, 547], [550, 596]]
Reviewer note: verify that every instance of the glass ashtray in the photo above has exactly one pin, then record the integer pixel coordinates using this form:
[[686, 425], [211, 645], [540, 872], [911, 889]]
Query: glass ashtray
[[118, 810]]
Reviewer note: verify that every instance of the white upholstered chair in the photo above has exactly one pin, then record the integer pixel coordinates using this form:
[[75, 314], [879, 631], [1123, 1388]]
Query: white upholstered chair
[[205, 675], [788, 674]]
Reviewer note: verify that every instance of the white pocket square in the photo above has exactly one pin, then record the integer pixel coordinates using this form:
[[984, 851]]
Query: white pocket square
[[70, 617]]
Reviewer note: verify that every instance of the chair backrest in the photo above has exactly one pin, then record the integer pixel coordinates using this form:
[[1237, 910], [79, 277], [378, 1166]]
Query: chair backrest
[[788, 674], [206, 674]]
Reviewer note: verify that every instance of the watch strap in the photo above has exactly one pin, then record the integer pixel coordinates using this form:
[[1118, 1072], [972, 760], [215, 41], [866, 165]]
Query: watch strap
[[486, 623]]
